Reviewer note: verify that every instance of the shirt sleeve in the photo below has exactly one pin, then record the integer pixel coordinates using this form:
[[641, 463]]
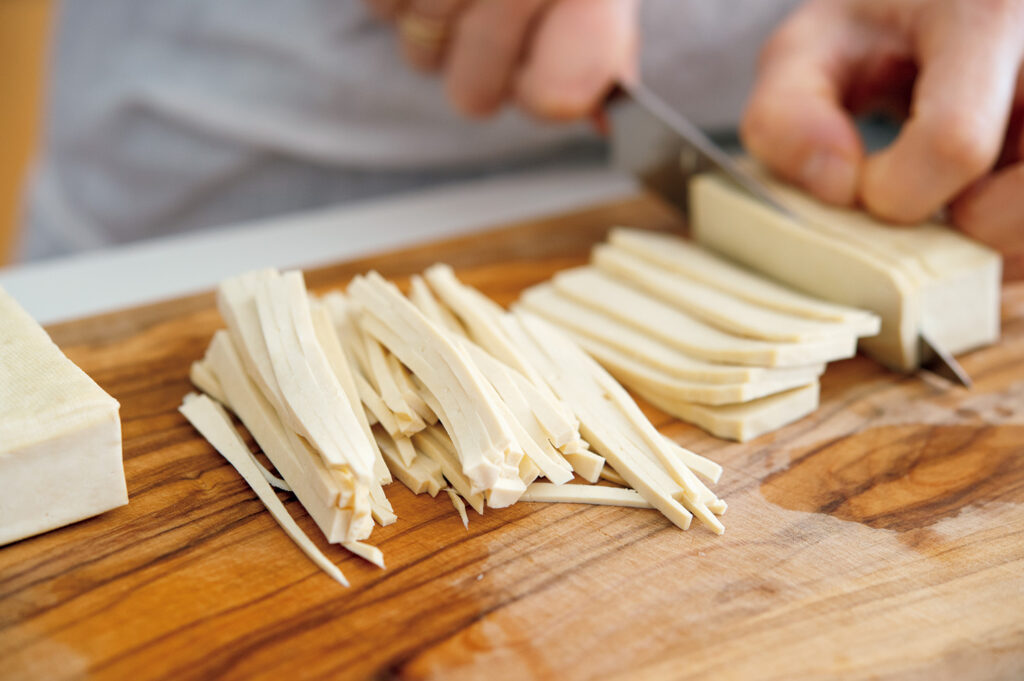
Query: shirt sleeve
[[701, 55]]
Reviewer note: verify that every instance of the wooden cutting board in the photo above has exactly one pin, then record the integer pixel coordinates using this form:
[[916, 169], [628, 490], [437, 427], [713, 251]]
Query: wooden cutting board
[[881, 538]]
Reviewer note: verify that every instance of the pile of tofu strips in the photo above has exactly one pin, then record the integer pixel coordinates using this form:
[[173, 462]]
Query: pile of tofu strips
[[443, 390]]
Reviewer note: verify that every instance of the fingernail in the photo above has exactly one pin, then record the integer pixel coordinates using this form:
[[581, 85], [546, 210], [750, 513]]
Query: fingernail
[[830, 177]]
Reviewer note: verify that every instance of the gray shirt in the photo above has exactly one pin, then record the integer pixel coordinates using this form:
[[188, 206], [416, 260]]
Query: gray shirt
[[172, 115]]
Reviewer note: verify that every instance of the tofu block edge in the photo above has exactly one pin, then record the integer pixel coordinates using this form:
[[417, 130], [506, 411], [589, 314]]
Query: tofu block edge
[[60, 434], [958, 306]]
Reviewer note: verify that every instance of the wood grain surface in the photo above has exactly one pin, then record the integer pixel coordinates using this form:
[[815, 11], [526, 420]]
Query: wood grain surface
[[880, 538]]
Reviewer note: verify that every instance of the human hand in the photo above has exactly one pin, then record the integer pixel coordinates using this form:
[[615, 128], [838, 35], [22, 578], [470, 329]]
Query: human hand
[[556, 59], [954, 65]]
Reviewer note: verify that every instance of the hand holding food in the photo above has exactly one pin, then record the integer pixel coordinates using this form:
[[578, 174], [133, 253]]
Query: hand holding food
[[952, 65]]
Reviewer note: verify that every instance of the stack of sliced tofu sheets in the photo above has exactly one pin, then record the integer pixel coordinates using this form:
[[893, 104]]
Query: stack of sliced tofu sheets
[[704, 340], [443, 390]]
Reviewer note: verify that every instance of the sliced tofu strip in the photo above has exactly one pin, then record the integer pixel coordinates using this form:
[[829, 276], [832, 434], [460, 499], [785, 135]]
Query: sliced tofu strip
[[409, 392], [354, 342], [383, 380], [342, 368], [343, 319], [585, 494], [429, 442], [567, 354], [275, 482], [460, 506], [528, 471], [701, 465], [361, 451], [487, 325], [513, 481], [526, 424], [201, 376], [406, 450], [669, 451], [468, 403], [421, 475], [237, 306], [586, 464], [301, 467], [687, 258], [214, 425], [555, 419], [371, 554], [631, 372], [380, 507], [477, 455], [425, 302], [502, 378], [307, 382], [589, 327], [529, 432], [316, 486], [478, 313], [579, 391], [676, 328], [742, 422], [375, 405], [722, 310], [611, 476]]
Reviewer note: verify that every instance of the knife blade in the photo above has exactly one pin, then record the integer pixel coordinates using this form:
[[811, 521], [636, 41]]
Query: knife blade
[[663, 149]]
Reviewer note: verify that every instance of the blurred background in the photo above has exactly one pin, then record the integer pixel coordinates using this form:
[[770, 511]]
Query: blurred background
[[24, 37]]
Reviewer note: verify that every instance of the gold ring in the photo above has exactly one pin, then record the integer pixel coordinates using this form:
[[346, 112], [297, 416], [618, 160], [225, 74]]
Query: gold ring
[[424, 32]]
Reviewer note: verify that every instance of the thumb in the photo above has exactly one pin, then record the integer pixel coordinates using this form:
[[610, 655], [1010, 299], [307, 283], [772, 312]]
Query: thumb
[[578, 52]]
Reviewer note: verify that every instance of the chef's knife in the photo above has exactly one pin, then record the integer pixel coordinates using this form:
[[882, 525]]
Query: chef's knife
[[663, 149]]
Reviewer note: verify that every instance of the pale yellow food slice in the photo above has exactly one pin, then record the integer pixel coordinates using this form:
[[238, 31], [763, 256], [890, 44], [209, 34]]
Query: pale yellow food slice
[[585, 494], [460, 506], [680, 330], [468, 403], [302, 468], [742, 422], [583, 322], [214, 425], [687, 258], [201, 376], [722, 310], [633, 373]]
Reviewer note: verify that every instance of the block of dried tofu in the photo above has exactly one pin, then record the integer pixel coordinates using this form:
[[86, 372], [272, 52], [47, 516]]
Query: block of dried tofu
[[923, 279], [60, 434]]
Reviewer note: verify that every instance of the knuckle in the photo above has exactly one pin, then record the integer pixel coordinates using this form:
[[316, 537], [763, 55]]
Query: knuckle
[[759, 121], [996, 9], [963, 141], [885, 205], [489, 26]]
